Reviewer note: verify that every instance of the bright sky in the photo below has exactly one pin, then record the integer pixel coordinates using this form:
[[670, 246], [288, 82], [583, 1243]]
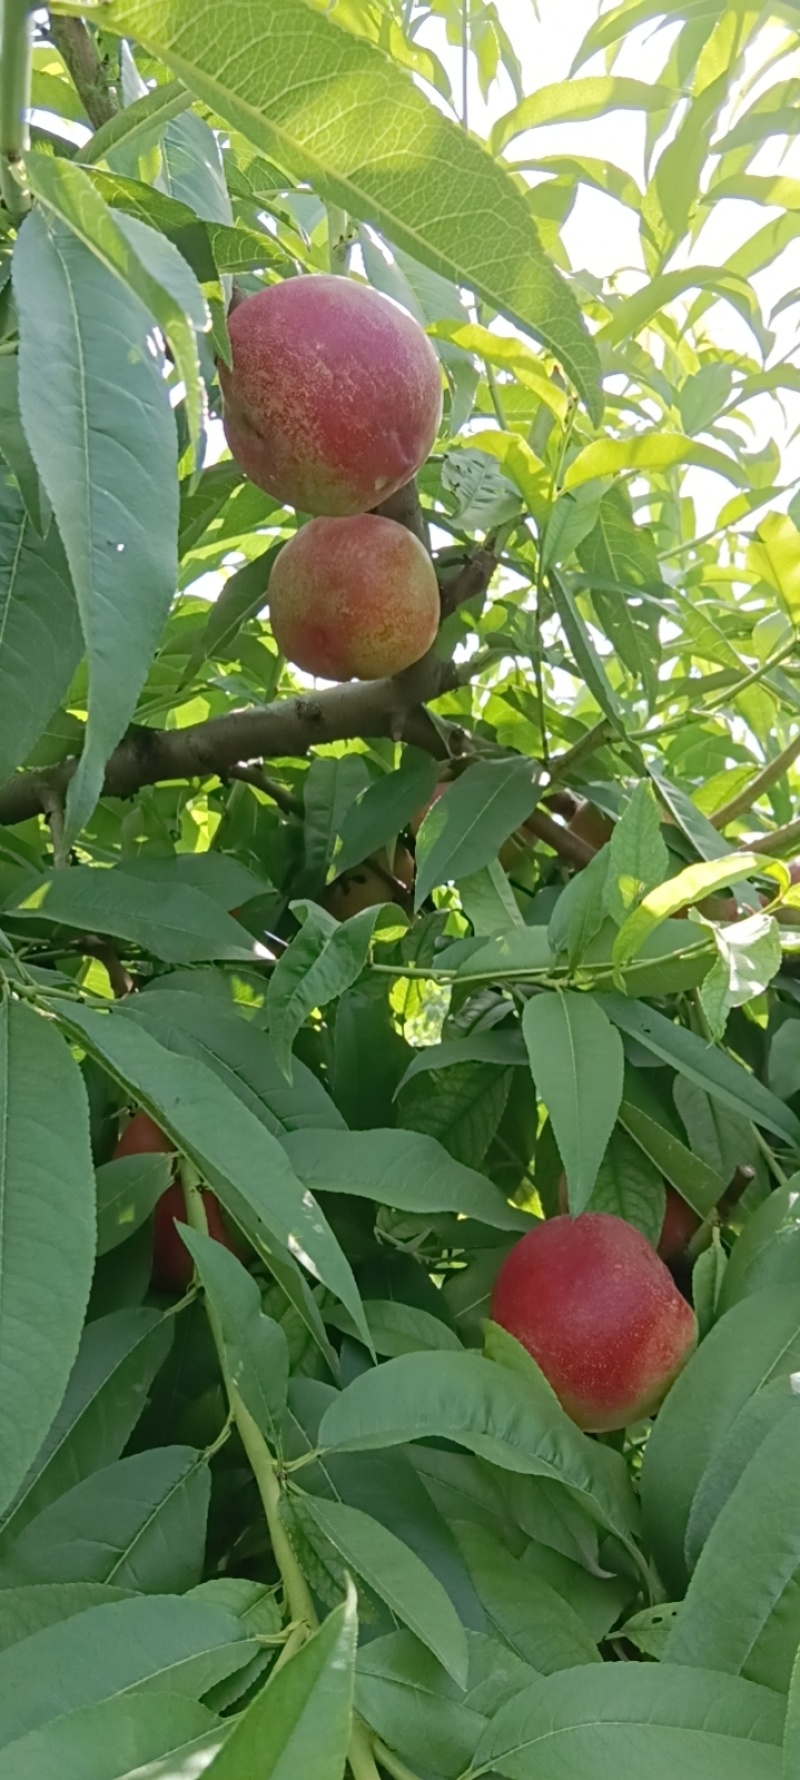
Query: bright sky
[[601, 234]]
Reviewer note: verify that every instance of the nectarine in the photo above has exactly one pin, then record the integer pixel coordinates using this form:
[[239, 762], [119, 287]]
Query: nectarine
[[335, 396], [591, 1301], [172, 1263], [353, 599], [365, 888], [591, 825], [680, 1224]]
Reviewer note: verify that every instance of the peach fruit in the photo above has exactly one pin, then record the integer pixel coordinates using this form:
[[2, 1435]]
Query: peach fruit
[[591, 1301], [354, 599], [334, 398]]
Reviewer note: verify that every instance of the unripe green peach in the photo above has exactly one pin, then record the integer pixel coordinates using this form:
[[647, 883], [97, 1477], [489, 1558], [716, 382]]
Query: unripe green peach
[[354, 599], [335, 395]]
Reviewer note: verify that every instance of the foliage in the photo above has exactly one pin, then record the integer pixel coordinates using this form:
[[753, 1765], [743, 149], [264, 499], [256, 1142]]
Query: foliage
[[318, 1516]]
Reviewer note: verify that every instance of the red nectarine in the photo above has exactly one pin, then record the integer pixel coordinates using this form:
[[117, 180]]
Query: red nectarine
[[335, 395], [353, 599], [172, 1263], [366, 888], [591, 1301]]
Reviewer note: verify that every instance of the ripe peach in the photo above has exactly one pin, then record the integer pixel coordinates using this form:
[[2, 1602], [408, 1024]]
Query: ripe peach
[[335, 396], [591, 825], [417, 820], [366, 888], [172, 1263], [677, 1230], [591, 1301], [354, 598]]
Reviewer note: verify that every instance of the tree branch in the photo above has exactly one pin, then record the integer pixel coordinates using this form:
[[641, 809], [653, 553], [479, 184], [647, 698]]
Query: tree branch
[[255, 775], [369, 708], [78, 50], [768, 776], [570, 847]]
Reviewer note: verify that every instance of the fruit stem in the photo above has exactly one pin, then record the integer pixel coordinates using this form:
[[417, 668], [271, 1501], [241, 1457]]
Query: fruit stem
[[16, 46], [298, 1597], [360, 1759]]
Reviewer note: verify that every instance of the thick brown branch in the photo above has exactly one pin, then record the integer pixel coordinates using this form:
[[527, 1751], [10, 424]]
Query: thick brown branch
[[78, 50], [567, 845], [371, 708]]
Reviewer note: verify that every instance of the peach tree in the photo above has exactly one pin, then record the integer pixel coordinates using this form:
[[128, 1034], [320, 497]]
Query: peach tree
[[318, 996]]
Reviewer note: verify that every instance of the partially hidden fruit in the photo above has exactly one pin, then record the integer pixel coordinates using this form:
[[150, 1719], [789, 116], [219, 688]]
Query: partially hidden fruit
[[417, 820], [334, 397], [354, 599], [680, 1224], [591, 825], [591, 1301], [365, 887], [172, 1263], [515, 848]]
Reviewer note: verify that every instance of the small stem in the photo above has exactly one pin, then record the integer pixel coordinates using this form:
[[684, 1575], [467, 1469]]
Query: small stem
[[392, 1762], [16, 51], [298, 1598], [360, 1759], [255, 775], [465, 64], [767, 777], [595, 738]]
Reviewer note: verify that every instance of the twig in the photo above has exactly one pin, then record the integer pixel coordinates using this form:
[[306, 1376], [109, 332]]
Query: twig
[[769, 775], [106, 954], [570, 847], [15, 96], [254, 775], [471, 578], [588, 744], [53, 808], [778, 841], [78, 50]]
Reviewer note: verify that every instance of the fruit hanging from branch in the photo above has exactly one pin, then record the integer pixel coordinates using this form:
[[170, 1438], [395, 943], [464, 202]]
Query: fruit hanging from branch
[[591, 1301], [335, 396], [354, 599], [172, 1263]]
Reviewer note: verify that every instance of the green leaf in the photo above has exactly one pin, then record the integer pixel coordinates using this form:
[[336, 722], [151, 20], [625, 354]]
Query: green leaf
[[791, 1735], [300, 1723], [444, 1727], [330, 108], [109, 1741], [118, 1359], [699, 1184], [330, 789], [577, 1063], [16, 451], [757, 1340], [173, 920], [395, 1573], [540, 1627], [632, 314], [246, 1166], [322, 960], [571, 101], [38, 623], [748, 957], [256, 1353], [148, 265], [777, 557], [139, 1524], [628, 1719], [48, 1224], [159, 1643], [24, 1611], [630, 1186], [708, 1067], [240, 1053], [649, 451], [572, 519], [687, 888], [127, 1190], [767, 1250], [488, 901], [638, 854], [386, 808], [578, 915], [467, 826], [515, 1422], [766, 1410], [142, 119], [121, 542], [587, 660], [400, 1328], [404, 1169], [741, 1614]]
